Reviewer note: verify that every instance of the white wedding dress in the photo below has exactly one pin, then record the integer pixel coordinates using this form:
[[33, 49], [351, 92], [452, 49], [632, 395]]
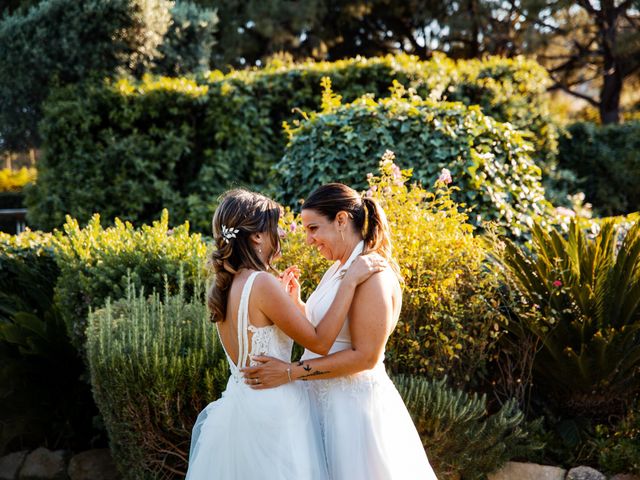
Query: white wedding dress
[[367, 431], [254, 434]]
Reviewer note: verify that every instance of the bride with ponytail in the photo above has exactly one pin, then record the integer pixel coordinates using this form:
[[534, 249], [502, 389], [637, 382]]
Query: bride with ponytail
[[367, 432]]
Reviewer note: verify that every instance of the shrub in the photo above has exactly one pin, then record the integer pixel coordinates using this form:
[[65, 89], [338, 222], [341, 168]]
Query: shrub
[[618, 447], [489, 161], [129, 168], [154, 365], [449, 317], [15, 180], [581, 302], [606, 160], [58, 42], [460, 436], [185, 145], [43, 398], [96, 263]]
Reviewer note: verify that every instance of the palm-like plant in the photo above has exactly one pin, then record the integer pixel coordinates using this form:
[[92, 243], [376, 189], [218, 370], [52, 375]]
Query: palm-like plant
[[581, 299]]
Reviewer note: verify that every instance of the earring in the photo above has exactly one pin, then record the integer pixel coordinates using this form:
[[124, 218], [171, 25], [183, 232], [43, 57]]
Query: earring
[[259, 250]]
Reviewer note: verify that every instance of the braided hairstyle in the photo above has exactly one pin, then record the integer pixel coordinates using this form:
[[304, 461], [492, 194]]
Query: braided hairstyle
[[367, 215], [241, 213]]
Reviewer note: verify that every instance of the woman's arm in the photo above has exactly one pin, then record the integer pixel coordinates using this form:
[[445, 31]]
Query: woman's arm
[[276, 305], [370, 318]]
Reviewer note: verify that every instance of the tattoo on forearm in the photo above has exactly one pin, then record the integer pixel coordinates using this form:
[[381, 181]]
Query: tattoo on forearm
[[307, 368], [313, 374]]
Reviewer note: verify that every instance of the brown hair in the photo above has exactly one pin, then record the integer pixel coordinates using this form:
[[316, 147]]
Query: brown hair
[[247, 212], [367, 215]]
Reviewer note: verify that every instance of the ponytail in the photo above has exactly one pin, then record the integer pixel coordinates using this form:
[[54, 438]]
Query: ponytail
[[376, 232]]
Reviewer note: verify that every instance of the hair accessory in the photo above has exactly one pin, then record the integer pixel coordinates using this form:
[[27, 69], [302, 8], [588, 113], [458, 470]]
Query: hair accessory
[[229, 233]]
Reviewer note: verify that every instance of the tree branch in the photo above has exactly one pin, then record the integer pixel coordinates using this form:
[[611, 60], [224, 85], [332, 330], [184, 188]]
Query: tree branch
[[559, 86]]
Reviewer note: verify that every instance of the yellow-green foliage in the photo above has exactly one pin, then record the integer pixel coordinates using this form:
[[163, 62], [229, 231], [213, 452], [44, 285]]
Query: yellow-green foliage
[[95, 263], [15, 180], [449, 318], [141, 146]]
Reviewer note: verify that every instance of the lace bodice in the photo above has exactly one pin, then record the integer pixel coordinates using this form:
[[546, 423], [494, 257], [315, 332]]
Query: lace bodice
[[269, 340]]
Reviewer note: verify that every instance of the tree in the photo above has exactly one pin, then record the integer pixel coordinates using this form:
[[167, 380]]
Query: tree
[[593, 42]]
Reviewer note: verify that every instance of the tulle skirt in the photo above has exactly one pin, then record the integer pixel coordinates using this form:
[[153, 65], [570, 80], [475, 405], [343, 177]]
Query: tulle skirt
[[367, 431], [253, 434]]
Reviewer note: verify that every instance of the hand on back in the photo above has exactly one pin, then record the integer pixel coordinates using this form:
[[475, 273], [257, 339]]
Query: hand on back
[[364, 266]]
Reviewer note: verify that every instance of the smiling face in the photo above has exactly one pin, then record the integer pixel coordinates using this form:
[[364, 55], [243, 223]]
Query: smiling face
[[322, 233]]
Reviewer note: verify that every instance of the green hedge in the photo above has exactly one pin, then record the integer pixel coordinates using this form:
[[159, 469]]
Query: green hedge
[[606, 160], [142, 146], [490, 162], [97, 263]]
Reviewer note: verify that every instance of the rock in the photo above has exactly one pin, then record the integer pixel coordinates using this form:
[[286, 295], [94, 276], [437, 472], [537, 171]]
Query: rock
[[93, 465], [625, 476], [527, 471], [43, 464], [585, 473], [10, 465]]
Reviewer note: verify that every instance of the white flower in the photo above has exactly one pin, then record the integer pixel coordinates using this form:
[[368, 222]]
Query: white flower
[[229, 233]]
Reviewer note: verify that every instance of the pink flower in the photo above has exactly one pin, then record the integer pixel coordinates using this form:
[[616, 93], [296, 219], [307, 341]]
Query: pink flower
[[369, 193], [557, 283], [445, 176], [565, 212], [397, 173], [293, 227]]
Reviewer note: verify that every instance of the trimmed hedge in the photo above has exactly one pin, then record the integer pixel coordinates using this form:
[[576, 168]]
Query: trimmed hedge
[[187, 141], [606, 160], [489, 161]]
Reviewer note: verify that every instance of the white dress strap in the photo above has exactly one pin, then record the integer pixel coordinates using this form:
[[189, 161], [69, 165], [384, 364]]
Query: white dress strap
[[243, 321]]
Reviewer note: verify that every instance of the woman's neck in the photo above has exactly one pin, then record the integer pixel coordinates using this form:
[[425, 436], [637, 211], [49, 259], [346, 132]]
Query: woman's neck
[[350, 244]]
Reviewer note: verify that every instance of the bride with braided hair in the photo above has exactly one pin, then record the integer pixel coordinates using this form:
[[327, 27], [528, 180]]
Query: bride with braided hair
[[247, 433]]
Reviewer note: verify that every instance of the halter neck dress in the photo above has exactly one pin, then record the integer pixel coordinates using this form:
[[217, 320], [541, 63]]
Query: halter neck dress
[[366, 429]]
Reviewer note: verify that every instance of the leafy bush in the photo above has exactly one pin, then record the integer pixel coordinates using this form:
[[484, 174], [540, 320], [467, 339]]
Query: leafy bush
[[43, 398], [129, 168], [96, 263], [154, 365], [618, 447], [489, 161], [15, 180], [460, 436], [449, 317], [581, 302], [187, 142], [59, 42], [606, 160]]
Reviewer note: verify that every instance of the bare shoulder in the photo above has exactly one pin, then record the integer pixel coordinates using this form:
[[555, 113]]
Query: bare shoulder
[[265, 284], [380, 286]]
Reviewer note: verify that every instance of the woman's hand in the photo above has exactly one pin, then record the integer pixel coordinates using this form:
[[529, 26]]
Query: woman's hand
[[270, 373], [291, 284], [364, 266]]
